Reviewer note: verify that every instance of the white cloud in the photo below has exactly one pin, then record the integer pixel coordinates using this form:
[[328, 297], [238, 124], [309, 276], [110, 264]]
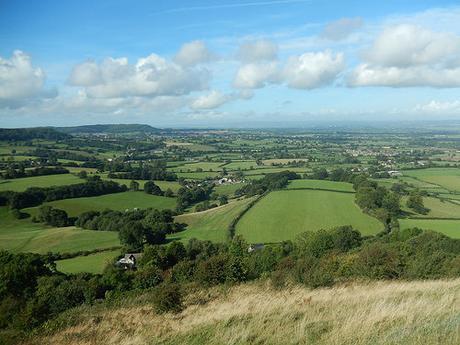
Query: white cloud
[[151, 76], [369, 75], [312, 70], [212, 100], [341, 29], [409, 55], [261, 50], [20, 81], [255, 76], [439, 107], [408, 45], [193, 53], [85, 74]]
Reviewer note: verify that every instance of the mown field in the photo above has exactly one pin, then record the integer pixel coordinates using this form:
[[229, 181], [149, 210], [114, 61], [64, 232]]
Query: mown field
[[449, 227], [94, 263], [21, 184], [115, 201], [321, 184], [25, 236], [212, 224], [281, 215]]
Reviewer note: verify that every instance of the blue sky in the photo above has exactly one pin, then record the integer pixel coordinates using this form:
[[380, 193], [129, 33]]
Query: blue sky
[[222, 63]]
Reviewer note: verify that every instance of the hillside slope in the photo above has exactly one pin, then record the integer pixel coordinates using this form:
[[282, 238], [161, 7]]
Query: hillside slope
[[425, 312]]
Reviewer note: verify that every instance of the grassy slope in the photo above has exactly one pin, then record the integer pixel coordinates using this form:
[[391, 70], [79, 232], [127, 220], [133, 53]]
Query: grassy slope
[[211, 224], [446, 226], [94, 263], [321, 184], [25, 236], [383, 313], [21, 184], [116, 201], [282, 215]]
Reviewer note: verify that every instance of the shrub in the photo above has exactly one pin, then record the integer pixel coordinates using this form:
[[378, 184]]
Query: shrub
[[168, 298]]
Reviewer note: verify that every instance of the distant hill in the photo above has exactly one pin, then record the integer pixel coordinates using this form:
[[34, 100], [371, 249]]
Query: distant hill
[[32, 133], [109, 129]]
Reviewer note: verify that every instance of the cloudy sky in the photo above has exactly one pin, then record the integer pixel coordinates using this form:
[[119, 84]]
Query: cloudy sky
[[228, 63]]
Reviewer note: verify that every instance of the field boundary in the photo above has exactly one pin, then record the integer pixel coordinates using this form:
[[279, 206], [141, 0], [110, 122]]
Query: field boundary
[[433, 218], [320, 189], [232, 226]]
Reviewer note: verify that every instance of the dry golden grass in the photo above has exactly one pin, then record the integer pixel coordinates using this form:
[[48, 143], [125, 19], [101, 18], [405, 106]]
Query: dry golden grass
[[425, 312]]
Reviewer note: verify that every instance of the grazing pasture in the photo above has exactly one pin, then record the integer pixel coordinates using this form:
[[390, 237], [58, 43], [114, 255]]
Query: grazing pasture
[[93, 263], [449, 227], [211, 224], [281, 215], [25, 236], [21, 184], [116, 201]]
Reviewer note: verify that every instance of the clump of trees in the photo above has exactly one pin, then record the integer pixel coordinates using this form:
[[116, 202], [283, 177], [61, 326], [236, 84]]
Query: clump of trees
[[378, 201], [268, 183], [52, 216], [135, 227], [415, 202], [151, 188], [191, 194], [154, 171]]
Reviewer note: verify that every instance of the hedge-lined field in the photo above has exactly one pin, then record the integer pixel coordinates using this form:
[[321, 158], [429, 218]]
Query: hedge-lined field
[[94, 263], [211, 224], [449, 227], [21, 184], [116, 201], [281, 215], [25, 236]]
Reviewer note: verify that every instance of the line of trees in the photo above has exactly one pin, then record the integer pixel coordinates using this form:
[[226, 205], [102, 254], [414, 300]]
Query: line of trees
[[12, 173], [35, 196]]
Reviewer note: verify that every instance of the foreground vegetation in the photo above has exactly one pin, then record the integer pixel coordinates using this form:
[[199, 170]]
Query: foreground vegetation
[[366, 313]]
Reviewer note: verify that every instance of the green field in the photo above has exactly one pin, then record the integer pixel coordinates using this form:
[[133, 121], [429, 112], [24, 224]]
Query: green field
[[206, 166], [282, 215], [228, 189], [235, 165], [116, 201], [25, 236], [321, 184], [438, 208], [94, 263], [211, 224], [446, 226], [21, 184], [448, 178], [198, 175]]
